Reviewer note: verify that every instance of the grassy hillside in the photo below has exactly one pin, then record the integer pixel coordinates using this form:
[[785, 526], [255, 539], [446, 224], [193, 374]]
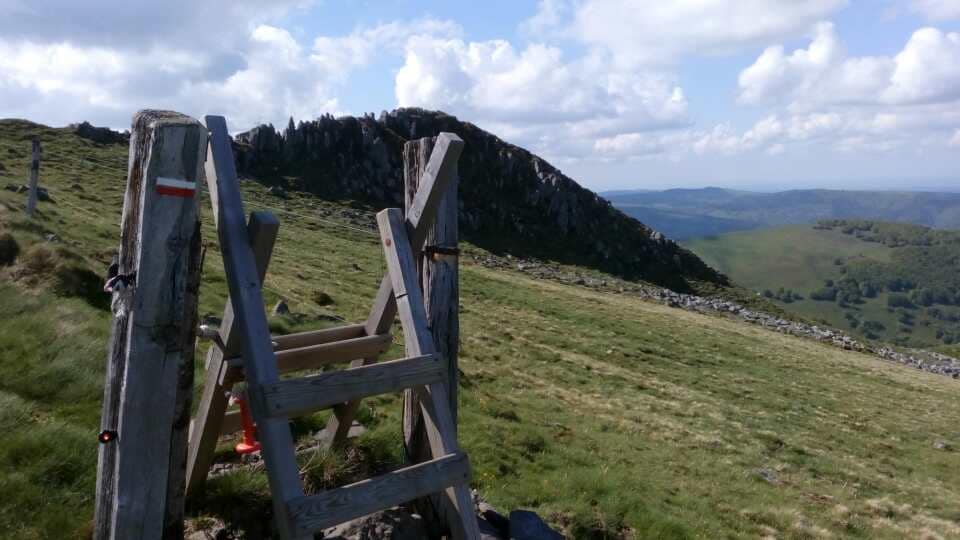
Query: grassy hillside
[[611, 416], [804, 259]]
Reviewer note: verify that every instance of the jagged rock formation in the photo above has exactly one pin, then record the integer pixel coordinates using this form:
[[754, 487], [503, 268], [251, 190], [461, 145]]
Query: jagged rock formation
[[511, 200], [100, 135]]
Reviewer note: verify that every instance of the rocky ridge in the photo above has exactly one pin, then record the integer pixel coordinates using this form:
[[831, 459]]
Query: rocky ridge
[[511, 201]]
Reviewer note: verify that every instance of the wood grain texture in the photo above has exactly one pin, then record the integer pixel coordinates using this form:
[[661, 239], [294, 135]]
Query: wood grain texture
[[314, 513], [294, 397], [262, 231], [324, 354], [457, 506], [259, 363], [318, 337], [149, 383]]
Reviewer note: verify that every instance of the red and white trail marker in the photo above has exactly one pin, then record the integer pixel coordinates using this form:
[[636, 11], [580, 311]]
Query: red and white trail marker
[[175, 187]]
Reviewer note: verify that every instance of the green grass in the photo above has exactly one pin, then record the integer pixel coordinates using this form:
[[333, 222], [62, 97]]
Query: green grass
[[801, 258], [797, 256], [610, 416]]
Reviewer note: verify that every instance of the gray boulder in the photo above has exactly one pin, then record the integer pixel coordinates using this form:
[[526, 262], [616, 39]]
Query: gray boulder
[[526, 525]]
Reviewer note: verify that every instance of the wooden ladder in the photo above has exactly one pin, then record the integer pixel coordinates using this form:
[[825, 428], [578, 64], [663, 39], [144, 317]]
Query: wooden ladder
[[246, 252]]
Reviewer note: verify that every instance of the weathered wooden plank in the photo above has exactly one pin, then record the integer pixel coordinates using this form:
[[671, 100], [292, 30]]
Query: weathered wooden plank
[[262, 232], [317, 337], [317, 512], [439, 280], [259, 363], [325, 354], [140, 478], [34, 176], [434, 403], [294, 397], [423, 210]]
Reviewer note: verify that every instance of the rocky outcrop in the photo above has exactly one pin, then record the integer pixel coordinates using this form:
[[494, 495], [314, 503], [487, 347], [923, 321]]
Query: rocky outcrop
[[511, 200], [100, 135]]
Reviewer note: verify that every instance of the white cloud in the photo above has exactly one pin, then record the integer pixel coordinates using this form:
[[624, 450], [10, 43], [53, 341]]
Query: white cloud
[[937, 10], [955, 140], [643, 32], [535, 91], [926, 70]]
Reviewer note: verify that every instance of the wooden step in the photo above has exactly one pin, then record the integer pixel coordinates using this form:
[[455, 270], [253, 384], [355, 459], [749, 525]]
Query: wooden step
[[298, 396], [324, 354], [313, 513], [317, 337]]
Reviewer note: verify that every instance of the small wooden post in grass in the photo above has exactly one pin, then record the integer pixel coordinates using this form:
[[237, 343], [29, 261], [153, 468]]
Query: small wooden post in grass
[[34, 177], [148, 391]]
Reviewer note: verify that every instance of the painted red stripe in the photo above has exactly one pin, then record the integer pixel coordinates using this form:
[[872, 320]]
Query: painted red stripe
[[176, 192]]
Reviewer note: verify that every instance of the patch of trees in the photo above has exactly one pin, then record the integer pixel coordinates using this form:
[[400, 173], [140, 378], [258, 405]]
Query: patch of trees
[[784, 295]]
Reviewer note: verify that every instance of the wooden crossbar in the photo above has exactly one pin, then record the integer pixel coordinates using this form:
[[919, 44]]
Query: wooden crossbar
[[317, 337], [298, 396], [317, 512], [324, 354]]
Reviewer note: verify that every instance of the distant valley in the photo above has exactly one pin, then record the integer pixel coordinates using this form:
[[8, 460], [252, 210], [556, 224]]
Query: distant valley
[[683, 214], [889, 281]]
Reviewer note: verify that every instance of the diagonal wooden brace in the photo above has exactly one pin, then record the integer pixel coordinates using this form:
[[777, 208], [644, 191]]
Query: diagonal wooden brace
[[457, 504], [435, 181], [205, 429], [260, 365]]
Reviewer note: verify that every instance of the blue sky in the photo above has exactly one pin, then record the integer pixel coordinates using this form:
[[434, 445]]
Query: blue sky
[[758, 94]]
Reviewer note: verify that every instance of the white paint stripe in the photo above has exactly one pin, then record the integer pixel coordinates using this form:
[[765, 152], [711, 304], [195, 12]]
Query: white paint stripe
[[175, 183]]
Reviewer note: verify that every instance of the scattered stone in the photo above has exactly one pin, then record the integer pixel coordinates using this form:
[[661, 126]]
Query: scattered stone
[[50, 237], [356, 267], [392, 524], [527, 525], [9, 249], [278, 191], [205, 528], [281, 308], [942, 445], [43, 194], [322, 298], [768, 476]]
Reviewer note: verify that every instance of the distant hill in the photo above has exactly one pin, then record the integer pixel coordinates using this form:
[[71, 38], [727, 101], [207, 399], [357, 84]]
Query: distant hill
[[892, 281], [688, 213]]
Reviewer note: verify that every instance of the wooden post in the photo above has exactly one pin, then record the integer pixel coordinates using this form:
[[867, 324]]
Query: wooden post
[[148, 391], [34, 177], [438, 270]]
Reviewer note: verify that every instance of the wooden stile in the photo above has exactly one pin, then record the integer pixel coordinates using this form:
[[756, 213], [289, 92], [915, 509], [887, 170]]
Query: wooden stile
[[273, 401], [150, 364]]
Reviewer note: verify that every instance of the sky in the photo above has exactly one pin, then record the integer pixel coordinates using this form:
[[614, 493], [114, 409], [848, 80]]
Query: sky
[[619, 94]]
